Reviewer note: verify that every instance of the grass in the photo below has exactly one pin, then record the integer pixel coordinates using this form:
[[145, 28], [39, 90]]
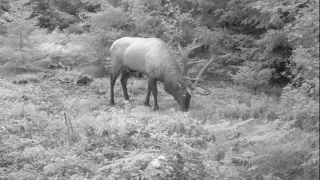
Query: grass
[[64, 131]]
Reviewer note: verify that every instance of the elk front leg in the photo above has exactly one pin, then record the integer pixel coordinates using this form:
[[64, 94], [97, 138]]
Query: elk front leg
[[113, 78], [124, 79], [147, 101], [153, 84]]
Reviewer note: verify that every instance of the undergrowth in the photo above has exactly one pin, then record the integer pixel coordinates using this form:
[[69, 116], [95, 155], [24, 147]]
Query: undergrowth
[[70, 132]]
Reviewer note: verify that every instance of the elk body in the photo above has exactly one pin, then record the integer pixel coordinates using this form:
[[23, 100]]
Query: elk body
[[152, 57]]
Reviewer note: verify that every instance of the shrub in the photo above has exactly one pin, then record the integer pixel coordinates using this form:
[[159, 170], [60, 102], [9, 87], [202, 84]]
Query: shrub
[[302, 110]]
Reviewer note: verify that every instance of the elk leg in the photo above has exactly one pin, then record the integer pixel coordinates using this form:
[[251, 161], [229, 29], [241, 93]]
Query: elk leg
[[113, 78], [124, 78], [147, 101], [153, 84]]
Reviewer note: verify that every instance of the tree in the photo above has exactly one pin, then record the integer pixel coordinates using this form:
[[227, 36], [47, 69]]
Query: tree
[[18, 32]]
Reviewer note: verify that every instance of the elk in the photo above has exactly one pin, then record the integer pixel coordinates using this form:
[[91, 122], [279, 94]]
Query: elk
[[153, 57]]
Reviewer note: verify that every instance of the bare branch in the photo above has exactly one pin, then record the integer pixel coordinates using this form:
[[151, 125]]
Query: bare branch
[[66, 122]]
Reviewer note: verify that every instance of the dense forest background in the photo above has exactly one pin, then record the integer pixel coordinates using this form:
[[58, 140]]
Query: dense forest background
[[267, 48], [264, 43]]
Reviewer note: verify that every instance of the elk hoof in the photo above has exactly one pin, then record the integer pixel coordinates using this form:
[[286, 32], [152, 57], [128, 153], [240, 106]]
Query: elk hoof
[[155, 108], [111, 103], [147, 104]]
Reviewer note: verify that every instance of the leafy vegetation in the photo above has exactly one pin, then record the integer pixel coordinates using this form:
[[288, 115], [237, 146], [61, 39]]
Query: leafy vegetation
[[260, 122]]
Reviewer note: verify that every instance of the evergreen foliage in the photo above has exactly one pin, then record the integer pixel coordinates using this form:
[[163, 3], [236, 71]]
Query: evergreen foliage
[[259, 37], [53, 129]]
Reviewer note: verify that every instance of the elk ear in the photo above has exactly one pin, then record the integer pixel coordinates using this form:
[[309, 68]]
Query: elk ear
[[179, 84], [191, 92]]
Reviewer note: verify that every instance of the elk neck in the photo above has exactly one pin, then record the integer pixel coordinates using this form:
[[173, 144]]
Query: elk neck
[[170, 77]]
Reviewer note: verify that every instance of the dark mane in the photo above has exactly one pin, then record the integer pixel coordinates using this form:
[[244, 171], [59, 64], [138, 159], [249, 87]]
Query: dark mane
[[171, 76]]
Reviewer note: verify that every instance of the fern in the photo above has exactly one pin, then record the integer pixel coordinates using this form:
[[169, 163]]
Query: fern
[[112, 18], [127, 166], [309, 167], [272, 40]]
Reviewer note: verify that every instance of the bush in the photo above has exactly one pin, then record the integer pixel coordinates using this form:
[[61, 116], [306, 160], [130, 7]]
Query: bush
[[303, 111]]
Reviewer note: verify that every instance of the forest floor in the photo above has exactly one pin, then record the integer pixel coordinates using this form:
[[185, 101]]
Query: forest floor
[[53, 129]]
